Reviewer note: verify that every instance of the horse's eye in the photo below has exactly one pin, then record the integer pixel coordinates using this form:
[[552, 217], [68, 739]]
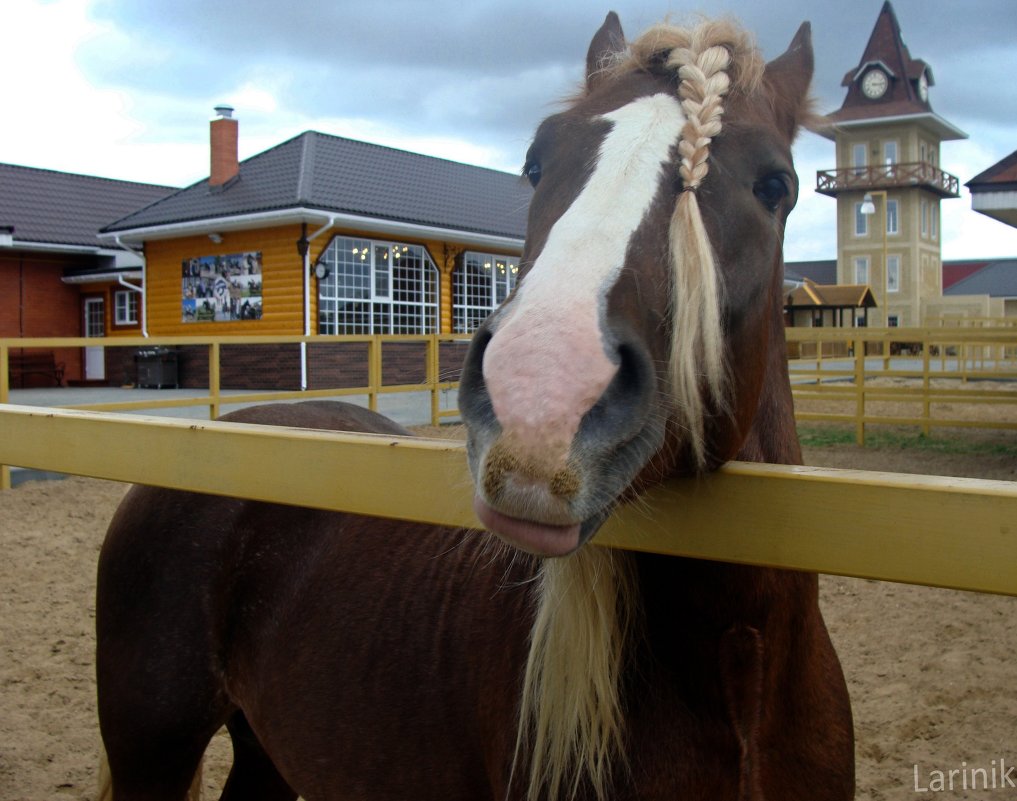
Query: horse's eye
[[772, 190], [532, 173]]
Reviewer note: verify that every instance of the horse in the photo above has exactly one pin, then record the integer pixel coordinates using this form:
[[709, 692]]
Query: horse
[[359, 658]]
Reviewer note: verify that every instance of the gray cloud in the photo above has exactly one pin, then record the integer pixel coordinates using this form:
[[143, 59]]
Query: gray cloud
[[488, 71]]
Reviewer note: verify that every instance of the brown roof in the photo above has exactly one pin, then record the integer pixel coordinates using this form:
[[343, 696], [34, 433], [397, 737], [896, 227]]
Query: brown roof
[[1002, 172], [840, 296], [886, 49]]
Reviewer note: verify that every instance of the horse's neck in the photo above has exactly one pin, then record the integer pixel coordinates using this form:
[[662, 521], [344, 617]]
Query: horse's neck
[[716, 595]]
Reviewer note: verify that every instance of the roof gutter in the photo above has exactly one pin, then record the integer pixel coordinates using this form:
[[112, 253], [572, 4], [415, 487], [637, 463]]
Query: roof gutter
[[302, 214], [304, 247], [101, 278], [143, 289]]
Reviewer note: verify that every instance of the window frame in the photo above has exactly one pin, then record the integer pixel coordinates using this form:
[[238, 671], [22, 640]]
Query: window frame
[[861, 221], [892, 214], [893, 260], [369, 288], [472, 301], [862, 265], [128, 314]]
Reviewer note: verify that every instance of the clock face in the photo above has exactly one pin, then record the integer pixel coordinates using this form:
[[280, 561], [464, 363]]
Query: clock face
[[874, 83], [923, 87]]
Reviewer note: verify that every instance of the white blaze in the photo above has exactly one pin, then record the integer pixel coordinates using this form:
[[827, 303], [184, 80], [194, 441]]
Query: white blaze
[[549, 362]]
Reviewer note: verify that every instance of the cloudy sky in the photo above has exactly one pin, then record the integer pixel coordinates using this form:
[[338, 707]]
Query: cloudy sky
[[125, 88]]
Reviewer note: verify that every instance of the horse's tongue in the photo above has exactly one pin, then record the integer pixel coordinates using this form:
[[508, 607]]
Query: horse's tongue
[[540, 539]]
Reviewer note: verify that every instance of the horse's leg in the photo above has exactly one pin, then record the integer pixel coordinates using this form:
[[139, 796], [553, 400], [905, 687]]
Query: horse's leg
[[159, 683], [150, 761], [253, 776], [105, 792]]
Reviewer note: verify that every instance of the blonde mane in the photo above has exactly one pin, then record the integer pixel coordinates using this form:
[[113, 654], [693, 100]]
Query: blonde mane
[[710, 61], [571, 732]]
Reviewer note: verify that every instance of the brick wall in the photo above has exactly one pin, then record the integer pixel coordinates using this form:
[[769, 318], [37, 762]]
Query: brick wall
[[34, 302], [330, 365]]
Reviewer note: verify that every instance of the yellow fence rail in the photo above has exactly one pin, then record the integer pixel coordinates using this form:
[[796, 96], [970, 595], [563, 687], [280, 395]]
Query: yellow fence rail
[[214, 399], [924, 370], [958, 533]]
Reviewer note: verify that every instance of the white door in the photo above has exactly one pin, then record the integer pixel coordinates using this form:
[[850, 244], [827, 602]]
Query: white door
[[95, 326]]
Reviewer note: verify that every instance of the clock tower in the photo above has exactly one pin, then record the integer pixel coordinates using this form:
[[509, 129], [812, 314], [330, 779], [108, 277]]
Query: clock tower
[[887, 182]]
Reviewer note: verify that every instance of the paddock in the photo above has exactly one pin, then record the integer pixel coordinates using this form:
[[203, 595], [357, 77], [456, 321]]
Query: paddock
[[930, 670]]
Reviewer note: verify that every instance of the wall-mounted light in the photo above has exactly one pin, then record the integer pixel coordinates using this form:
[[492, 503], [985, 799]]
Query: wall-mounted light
[[217, 238]]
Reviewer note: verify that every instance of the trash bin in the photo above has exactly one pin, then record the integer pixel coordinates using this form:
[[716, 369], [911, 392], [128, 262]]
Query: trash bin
[[157, 368]]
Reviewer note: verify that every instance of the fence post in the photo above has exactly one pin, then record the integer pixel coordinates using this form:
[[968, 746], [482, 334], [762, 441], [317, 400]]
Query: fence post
[[860, 390], [432, 377], [926, 384], [213, 380], [5, 470], [373, 371]]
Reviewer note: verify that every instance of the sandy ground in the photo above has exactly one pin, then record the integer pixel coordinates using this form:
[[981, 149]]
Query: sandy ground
[[931, 672]]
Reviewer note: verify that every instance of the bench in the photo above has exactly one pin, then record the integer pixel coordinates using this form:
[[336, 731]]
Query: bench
[[42, 363]]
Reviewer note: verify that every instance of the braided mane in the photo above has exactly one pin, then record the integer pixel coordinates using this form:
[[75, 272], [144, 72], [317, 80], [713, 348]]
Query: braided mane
[[587, 602], [709, 61]]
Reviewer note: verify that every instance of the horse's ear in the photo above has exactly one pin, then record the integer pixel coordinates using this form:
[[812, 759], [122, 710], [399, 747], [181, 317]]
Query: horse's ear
[[789, 77], [607, 42]]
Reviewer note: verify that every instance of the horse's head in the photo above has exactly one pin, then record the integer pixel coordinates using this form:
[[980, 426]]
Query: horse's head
[[636, 344]]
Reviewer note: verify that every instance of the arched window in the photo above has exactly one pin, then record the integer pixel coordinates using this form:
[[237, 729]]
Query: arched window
[[479, 286], [374, 287]]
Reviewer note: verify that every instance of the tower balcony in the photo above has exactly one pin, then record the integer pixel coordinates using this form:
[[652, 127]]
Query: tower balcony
[[914, 175]]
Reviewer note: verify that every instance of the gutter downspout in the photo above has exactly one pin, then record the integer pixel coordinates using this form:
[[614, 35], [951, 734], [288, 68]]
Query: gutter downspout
[[143, 289], [304, 249]]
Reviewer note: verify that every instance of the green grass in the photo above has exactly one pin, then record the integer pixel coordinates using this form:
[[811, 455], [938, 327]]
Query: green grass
[[824, 436]]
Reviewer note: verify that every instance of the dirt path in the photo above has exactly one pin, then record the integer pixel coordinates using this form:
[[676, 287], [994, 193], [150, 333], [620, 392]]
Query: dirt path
[[931, 672]]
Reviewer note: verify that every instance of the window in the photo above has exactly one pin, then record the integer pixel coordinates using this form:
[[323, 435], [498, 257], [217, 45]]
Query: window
[[861, 221], [893, 273], [861, 269], [892, 217], [893, 321], [890, 157], [859, 158], [925, 217], [376, 287], [125, 304], [934, 221], [479, 286]]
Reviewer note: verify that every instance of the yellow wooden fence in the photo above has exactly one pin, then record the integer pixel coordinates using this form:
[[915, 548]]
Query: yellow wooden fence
[[214, 399], [948, 532], [920, 529], [929, 369]]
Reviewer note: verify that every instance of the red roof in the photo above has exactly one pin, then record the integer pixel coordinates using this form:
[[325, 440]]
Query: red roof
[[954, 271]]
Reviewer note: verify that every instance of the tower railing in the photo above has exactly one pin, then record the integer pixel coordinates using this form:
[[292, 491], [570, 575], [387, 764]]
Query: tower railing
[[888, 176]]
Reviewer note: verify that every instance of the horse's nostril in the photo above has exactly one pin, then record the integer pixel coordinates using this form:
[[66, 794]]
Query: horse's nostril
[[623, 407], [474, 401]]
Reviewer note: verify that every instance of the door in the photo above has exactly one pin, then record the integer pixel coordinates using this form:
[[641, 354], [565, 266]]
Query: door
[[95, 326]]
